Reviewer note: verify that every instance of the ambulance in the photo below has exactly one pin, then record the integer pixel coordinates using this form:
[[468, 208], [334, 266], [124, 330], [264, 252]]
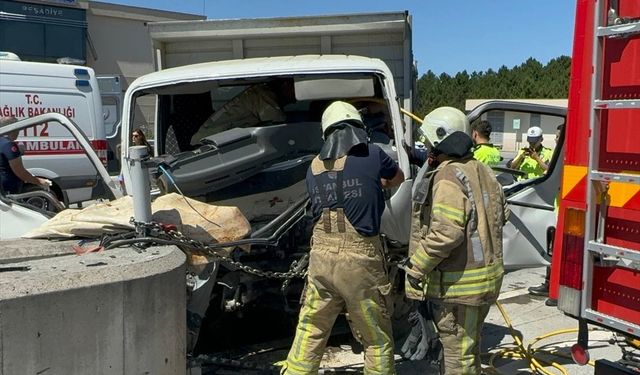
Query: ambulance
[[29, 89]]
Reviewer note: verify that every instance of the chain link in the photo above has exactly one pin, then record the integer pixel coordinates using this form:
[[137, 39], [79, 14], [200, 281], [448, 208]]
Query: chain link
[[298, 268], [248, 366]]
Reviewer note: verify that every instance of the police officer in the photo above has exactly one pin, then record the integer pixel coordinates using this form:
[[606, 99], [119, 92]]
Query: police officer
[[543, 289], [456, 247], [12, 172], [346, 265], [484, 151], [533, 160]]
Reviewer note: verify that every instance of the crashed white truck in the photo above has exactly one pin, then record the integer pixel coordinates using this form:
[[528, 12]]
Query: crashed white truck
[[365, 59], [261, 168]]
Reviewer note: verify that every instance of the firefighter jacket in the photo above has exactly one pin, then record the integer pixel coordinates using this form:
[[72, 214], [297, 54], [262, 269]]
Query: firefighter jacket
[[456, 239]]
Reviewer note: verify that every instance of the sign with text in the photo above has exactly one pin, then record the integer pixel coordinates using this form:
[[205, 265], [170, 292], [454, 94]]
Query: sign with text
[[516, 123]]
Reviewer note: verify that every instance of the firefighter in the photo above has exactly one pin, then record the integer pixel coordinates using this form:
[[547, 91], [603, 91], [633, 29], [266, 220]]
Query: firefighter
[[484, 151], [346, 267], [456, 247], [436, 126], [533, 160]]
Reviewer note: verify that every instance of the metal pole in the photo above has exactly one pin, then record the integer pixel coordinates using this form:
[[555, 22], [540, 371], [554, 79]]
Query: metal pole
[[140, 187]]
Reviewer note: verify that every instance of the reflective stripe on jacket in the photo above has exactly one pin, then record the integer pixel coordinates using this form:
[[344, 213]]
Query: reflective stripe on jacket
[[458, 246]]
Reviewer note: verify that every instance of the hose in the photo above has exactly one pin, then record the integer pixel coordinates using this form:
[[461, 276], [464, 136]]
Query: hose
[[530, 353]]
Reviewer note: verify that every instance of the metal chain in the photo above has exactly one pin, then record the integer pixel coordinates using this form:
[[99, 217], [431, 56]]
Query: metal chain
[[206, 360], [298, 268]]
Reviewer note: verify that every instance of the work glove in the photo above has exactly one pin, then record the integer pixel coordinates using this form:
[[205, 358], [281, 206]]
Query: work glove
[[414, 286], [423, 335]]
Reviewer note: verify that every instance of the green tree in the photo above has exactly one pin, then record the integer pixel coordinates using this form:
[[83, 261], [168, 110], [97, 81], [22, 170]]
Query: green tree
[[529, 80]]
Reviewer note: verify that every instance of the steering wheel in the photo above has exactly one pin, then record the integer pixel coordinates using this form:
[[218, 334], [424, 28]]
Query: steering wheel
[[40, 199], [507, 176]]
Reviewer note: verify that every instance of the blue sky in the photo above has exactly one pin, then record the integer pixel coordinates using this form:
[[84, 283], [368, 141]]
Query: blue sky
[[448, 35]]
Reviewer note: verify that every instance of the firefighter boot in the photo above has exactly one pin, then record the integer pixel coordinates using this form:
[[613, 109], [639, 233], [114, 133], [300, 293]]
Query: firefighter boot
[[540, 290]]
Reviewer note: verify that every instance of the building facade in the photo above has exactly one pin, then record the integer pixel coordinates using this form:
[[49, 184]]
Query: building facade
[[43, 31], [110, 38]]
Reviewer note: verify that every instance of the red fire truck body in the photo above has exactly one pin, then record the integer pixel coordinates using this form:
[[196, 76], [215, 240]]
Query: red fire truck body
[[596, 260]]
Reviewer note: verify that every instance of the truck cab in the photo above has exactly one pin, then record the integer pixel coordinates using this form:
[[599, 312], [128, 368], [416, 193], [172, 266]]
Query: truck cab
[[222, 136], [260, 166]]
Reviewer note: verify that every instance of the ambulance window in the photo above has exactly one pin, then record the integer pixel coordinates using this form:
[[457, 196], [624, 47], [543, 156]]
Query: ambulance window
[[112, 96], [111, 108]]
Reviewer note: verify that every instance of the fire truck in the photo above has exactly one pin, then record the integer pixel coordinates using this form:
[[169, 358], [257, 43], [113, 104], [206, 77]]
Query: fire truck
[[596, 262]]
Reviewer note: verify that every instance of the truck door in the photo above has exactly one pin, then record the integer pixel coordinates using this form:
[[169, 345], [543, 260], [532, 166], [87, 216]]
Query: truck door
[[532, 201]]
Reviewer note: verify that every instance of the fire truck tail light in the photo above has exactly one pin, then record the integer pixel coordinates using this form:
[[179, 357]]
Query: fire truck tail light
[[100, 147], [574, 222], [572, 250], [571, 262]]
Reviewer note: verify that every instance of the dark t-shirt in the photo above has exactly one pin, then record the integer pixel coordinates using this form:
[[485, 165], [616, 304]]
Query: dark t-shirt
[[8, 151], [362, 190]]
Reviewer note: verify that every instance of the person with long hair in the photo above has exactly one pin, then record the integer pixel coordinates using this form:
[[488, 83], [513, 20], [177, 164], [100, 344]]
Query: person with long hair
[[138, 139]]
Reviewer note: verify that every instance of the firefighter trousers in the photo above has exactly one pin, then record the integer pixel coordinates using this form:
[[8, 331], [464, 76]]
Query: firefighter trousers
[[346, 272], [460, 327]]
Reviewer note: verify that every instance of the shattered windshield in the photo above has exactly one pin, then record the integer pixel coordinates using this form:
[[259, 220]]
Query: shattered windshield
[[188, 115]]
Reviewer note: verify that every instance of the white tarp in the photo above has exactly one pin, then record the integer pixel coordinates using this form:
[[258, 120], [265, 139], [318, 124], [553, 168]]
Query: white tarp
[[223, 223]]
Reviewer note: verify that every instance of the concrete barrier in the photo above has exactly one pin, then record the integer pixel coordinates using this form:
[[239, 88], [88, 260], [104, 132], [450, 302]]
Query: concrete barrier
[[114, 312]]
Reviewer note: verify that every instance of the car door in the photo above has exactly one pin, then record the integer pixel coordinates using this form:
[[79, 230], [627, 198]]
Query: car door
[[16, 219], [529, 231]]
